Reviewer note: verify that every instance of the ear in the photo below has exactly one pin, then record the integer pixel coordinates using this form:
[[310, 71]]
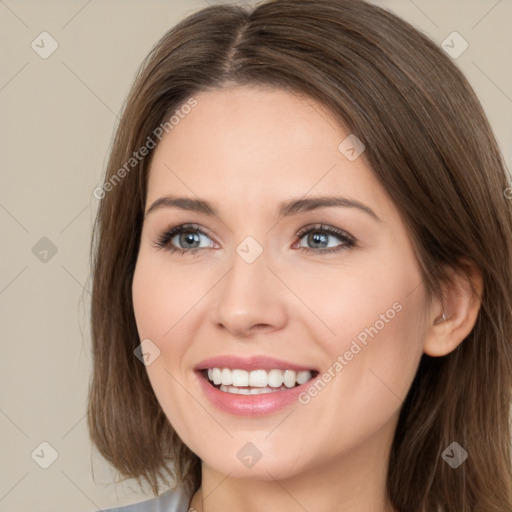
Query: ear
[[462, 298]]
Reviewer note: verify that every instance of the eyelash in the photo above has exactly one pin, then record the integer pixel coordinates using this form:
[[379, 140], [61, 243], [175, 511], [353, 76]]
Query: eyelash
[[163, 241]]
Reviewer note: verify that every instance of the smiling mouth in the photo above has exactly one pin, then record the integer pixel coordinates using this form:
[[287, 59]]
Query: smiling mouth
[[256, 382]]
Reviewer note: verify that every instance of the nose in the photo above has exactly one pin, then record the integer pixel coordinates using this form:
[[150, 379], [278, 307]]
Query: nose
[[250, 299]]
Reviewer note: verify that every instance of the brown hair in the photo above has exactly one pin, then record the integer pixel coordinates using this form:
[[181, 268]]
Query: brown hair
[[429, 144]]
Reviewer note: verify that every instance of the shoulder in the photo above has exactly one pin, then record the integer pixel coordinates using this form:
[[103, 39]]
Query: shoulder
[[174, 500]]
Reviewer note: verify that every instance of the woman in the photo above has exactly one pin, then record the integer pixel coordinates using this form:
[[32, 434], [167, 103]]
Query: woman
[[302, 271]]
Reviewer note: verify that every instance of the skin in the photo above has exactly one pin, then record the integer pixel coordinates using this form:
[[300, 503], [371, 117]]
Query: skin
[[245, 150]]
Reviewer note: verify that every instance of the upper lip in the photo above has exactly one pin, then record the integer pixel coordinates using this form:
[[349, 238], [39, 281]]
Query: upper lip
[[256, 362]]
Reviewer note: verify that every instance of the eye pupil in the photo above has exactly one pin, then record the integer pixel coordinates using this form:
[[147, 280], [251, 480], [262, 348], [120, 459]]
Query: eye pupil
[[189, 238], [318, 238]]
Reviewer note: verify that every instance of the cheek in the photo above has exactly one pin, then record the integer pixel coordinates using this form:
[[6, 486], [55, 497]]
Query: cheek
[[145, 297], [388, 349], [366, 303], [364, 383], [375, 344], [161, 302], [162, 295]]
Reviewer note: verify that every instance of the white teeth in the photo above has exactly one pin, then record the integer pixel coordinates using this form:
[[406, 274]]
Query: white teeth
[[303, 376], [226, 377], [250, 391], [235, 379], [239, 377], [216, 376], [258, 378], [289, 378], [258, 391], [275, 378]]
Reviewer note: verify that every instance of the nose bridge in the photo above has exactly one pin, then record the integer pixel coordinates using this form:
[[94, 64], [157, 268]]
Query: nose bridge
[[248, 295]]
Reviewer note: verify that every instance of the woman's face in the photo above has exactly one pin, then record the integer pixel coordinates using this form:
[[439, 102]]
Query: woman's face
[[279, 280]]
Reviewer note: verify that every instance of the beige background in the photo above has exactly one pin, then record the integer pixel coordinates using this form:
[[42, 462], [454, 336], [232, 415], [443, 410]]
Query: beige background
[[57, 118]]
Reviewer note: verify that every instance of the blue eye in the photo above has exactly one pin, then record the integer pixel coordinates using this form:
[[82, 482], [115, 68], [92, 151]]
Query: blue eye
[[185, 238], [191, 239], [322, 239]]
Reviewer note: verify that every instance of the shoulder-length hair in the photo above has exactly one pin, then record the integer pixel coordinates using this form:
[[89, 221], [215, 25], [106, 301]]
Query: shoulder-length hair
[[429, 144]]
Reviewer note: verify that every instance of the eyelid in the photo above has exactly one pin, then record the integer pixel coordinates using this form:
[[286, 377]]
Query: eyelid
[[323, 227]]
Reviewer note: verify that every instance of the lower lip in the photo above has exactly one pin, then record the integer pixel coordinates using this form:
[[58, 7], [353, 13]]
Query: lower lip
[[251, 405]]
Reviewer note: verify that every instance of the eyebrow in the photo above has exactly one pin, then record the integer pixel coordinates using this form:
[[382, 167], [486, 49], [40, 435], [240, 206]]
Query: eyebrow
[[285, 209]]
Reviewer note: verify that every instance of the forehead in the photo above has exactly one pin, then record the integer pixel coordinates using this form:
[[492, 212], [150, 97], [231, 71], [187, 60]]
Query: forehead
[[255, 146]]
